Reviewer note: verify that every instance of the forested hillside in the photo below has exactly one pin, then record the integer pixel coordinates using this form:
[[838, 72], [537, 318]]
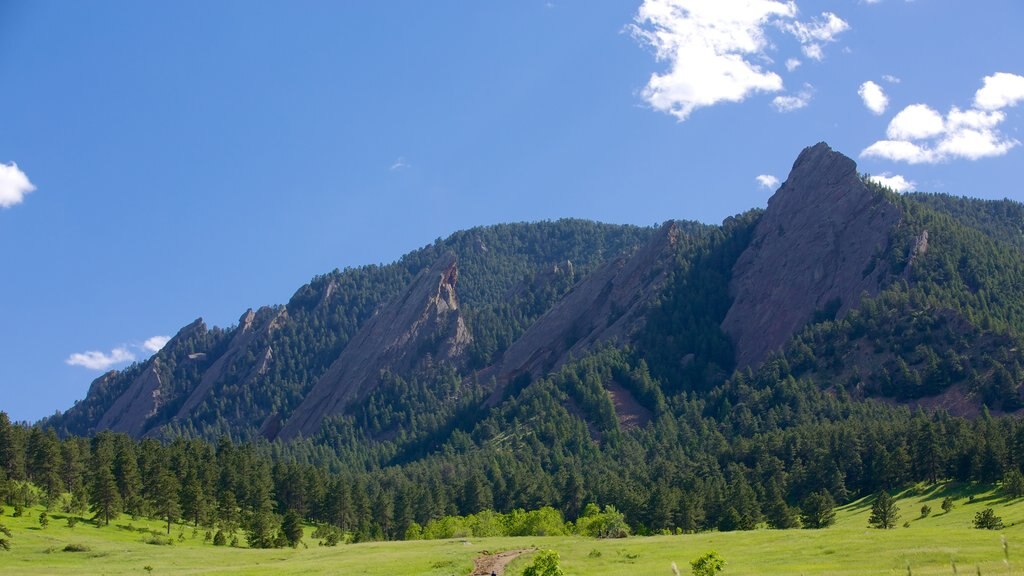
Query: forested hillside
[[844, 340]]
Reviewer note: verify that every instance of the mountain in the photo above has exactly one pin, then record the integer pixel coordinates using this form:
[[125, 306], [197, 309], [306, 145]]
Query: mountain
[[838, 282]]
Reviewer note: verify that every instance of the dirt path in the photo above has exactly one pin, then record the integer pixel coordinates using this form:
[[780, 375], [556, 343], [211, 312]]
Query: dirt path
[[487, 563]]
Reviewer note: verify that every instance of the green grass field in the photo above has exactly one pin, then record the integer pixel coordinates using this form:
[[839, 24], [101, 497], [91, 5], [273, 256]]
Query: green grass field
[[928, 545]]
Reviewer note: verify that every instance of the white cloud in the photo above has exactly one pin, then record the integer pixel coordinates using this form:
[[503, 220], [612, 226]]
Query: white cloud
[[919, 134], [716, 50], [14, 185], [812, 35], [895, 181], [873, 97], [94, 360], [901, 151], [767, 181], [891, 79], [1000, 90], [792, 64], [399, 164], [914, 122], [155, 343], [790, 103]]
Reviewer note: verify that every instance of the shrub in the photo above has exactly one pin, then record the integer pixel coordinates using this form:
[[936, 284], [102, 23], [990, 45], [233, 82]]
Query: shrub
[[546, 564], [925, 511], [219, 539], [76, 548], [987, 520], [947, 504], [709, 564]]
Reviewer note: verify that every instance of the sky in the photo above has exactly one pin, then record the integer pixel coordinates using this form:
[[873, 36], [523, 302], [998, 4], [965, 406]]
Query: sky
[[161, 162]]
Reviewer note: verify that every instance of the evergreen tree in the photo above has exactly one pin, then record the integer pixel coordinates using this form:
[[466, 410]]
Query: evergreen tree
[[291, 527], [884, 511], [166, 501], [104, 496], [818, 510]]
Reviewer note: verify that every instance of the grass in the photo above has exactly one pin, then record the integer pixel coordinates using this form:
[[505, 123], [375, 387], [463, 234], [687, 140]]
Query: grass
[[927, 545]]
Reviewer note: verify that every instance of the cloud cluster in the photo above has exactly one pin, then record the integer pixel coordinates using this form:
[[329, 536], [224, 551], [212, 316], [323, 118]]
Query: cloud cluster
[[14, 185], [94, 360], [768, 181], [155, 343], [788, 103], [716, 49], [894, 181], [874, 97], [918, 134]]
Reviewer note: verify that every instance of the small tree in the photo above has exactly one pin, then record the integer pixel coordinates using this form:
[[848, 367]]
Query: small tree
[[818, 510], [1013, 484], [291, 527], [947, 504], [546, 564], [5, 538], [884, 512], [925, 511], [987, 520], [44, 520], [709, 564]]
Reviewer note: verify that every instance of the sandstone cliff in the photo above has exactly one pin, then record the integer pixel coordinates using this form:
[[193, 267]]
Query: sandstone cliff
[[143, 397], [607, 306], [424, 319], [813, 249]]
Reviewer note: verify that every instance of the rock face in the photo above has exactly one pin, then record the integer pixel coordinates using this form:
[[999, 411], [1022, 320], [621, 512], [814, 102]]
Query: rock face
[[813, 249], [606, 306], [143, 397], [423, 319], [250, 326]]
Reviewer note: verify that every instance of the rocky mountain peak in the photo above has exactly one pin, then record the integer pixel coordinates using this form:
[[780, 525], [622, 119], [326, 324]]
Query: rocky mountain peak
[[812, 251], [422, 319]]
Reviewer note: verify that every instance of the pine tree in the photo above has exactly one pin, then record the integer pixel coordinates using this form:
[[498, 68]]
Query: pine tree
[[165, 495], [884, 511], [818, 510], [104, 496]]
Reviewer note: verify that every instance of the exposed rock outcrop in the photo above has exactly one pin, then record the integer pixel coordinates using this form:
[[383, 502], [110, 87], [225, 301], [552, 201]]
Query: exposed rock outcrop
[[143, 397], [814, 248], [606, 306], [424, 319], [250, 326]]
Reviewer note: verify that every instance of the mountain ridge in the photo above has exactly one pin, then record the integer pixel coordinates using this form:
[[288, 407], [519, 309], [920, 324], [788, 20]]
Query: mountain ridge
[[392, 352]]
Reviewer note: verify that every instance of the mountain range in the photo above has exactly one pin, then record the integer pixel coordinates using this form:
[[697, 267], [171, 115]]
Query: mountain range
[[914, 299]]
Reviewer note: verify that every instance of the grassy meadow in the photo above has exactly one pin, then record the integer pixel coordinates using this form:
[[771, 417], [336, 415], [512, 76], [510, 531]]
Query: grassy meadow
[[927, 545]]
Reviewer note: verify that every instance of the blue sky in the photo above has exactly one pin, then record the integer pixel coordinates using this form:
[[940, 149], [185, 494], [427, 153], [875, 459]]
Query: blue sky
[[165, 161]]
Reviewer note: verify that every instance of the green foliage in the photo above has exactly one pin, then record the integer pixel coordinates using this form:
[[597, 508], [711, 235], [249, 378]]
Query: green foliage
[[818, 510], [545, 564], [948, 504], [884, 511], [986, 519], [607, 523], [5, 537], [219, 539], [708, 564], [291, 528], [925, 510], [1013, 483]]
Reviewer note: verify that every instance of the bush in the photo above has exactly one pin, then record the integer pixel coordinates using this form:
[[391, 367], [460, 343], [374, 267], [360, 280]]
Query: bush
[[159, 540], [219, 539], [947, 504], [709, 564], [546, 564], [76, 548], [987, 520], [925, 511]]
